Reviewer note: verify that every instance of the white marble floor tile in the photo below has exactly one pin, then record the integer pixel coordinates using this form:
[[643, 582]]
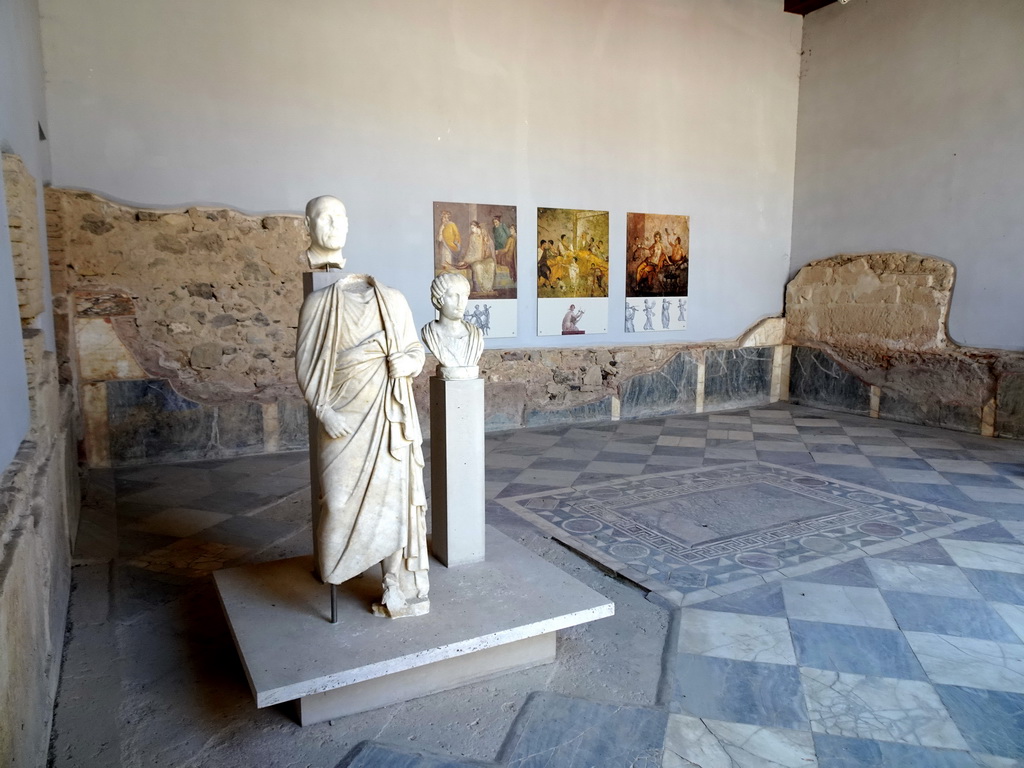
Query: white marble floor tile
[[738, 454], [868, 432], [827, 439], [889, 451], [969, 662], [808, 422], [730, 434], [1012, 615], [690, 741], [922, 578], [637, 449], [735, 636], [780, 445], [883, 708], [841, 459], [554, 478], [985, 555], [508, 461], [996, 495], [1014, 527], [928, 476], [682, 442], [779, 429], [931, 442], [613, 468], [834, 604]]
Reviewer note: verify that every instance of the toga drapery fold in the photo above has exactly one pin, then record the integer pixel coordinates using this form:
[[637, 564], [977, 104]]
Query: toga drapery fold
[[371, 479]]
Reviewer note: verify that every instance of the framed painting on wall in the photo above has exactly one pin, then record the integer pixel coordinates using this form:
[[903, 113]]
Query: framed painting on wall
[[480, 242], [572, 271], [657, 272]]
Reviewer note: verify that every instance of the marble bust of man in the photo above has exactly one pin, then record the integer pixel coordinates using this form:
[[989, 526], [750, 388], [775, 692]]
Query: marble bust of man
[[456, 344], [356, 355]]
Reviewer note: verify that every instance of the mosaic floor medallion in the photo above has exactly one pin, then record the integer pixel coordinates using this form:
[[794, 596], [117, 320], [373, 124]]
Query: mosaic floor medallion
[[696, 530]]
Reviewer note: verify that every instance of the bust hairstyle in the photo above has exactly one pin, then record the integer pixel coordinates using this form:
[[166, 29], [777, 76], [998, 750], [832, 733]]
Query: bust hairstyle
[[445, 282]]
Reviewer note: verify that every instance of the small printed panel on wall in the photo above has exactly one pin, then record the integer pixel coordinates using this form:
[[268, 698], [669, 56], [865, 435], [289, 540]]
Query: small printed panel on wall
[[479, 242], [657, 272], [572, 272]]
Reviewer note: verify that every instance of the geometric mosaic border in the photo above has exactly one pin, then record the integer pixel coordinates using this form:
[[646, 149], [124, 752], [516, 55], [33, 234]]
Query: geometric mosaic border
[[594, 521]]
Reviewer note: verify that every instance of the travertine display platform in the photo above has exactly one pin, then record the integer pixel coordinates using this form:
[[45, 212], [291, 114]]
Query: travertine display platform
[[485, 619]]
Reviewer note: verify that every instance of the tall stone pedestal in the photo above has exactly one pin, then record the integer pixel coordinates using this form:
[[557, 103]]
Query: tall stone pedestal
[[457, 470]]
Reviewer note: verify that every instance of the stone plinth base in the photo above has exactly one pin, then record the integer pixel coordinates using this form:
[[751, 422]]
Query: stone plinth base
[[457, 470], [486, 619]]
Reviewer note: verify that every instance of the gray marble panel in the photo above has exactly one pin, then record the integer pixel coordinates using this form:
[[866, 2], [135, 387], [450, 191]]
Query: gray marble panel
[[924, 409], [734, 378], [293, 418], [576, 733], [1010, 405], [816, 379], [671, 389], [599, 411], [149, 421]]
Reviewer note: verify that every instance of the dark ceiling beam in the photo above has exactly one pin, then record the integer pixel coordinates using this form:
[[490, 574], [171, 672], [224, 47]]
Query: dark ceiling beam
[[803, 7]]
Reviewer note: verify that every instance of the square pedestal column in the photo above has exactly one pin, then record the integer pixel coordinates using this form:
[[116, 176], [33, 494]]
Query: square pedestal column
[[457, 470]]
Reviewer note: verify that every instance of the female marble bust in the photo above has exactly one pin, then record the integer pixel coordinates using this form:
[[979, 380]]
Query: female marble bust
[[455, 343]]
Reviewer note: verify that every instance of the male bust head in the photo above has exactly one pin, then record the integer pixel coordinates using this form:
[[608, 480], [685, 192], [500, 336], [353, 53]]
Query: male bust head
[[327, 223]]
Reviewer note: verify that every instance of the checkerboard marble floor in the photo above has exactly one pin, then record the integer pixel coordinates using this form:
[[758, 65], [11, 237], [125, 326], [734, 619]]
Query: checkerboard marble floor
[[886, 644]]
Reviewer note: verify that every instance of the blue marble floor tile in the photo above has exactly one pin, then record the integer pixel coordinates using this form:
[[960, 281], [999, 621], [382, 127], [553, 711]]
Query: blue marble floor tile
[[786, 458], [998, 586], [1007, 468], [923, 552], [999, 510], [988, 532], [991, 481], [575, 733], [845, 752], [625, 458], [371, 754], [991, 721], [739, 691], [948, 616], [861, 650], [945, 495], [852, 574], [765, 600], [859, 475], [895, 462]]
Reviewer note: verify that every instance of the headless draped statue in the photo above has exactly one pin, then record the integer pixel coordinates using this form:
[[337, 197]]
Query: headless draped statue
[[455, 343], [356, 356]]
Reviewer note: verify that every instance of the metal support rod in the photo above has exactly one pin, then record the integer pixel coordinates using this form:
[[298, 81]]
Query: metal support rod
[[334, 603]]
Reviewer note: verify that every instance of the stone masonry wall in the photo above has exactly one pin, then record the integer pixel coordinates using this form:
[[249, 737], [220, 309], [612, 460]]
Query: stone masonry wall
[[39, 503], [870, 333], [182, 329]]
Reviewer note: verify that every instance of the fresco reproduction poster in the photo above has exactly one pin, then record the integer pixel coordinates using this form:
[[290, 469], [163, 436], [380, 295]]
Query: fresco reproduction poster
[[657, 272], [572, 272], [480, 242]]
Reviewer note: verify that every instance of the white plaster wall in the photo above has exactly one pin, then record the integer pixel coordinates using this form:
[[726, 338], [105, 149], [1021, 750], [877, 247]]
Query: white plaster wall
[[21, 112], [660, 106], [911, 138]]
